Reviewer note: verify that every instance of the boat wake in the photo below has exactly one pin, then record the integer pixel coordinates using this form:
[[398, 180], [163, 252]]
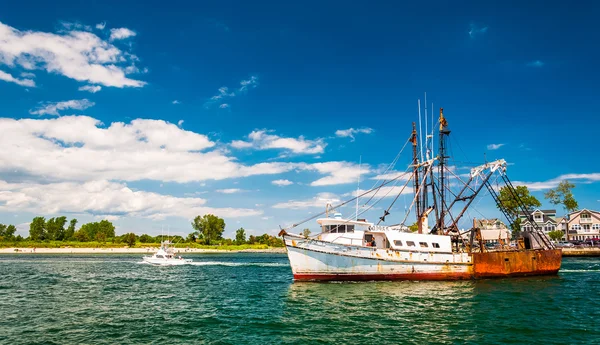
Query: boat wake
[[225, 263]]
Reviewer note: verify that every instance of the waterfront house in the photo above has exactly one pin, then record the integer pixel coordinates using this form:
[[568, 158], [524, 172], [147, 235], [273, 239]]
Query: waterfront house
[[584, 224], [544, 220], [493, 230]]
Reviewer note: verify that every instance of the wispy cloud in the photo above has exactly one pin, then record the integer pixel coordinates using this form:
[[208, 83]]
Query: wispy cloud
[[78, 55], [90, 88], [319, 201], [282, 183], [180, 123], [53, 108], [225, 92], [230, 190], [9, 78], [553, 183], [350, 132], [536, 63], [101, 26], [176, 102], [475, 31], [261, 140], [494, 146], [121, 34]]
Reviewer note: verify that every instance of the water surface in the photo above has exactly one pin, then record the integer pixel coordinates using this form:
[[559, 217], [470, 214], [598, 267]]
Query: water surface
[[252, 299]]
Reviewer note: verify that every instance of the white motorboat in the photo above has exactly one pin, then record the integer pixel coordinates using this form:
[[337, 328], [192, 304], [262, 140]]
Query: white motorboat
[[165, 256]]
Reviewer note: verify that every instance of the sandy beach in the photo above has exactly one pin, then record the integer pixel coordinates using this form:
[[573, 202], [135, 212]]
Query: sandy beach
[[16, 250]]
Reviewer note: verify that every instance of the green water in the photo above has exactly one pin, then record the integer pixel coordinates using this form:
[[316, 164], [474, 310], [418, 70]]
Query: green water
[[251, 299]]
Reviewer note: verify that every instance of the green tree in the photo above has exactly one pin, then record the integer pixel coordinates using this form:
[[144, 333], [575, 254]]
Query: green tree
[[3, 232], [556, 235], [106, 228], [191, 238], [251, 239], [210, 227], [414, 227], [70, 232], [146, 238], [55, 228], [240, 236], [37, 229], [306, 232], [511, 204], [9, 233], [129, 239], [563, 195], [81, 235]]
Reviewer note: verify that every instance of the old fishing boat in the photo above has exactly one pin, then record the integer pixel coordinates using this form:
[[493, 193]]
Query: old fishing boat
[[355, 249]]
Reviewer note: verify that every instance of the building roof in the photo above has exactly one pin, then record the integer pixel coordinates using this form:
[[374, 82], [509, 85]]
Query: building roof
[[536, 210], [489, 223]]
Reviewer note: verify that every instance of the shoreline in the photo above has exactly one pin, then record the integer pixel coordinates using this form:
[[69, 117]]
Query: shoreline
[[149, 250]]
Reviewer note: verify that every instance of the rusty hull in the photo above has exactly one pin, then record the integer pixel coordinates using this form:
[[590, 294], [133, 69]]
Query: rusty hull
[[516, 263]]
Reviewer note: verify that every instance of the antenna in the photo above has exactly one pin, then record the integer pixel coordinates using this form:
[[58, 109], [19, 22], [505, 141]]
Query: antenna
[[426, 146], [420, 130], [358, 186]]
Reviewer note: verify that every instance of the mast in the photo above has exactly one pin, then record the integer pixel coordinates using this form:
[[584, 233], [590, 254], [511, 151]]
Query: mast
[[444, 132], [414, 139], [358, 187]]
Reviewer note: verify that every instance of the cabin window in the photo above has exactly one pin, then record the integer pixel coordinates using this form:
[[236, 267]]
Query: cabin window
[[435, 245], [398, 243], [349, 228], [410, 243], [423, 244], [160, 257]]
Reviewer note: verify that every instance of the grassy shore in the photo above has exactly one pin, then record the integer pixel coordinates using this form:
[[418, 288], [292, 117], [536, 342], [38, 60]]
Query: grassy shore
[[100, 247]]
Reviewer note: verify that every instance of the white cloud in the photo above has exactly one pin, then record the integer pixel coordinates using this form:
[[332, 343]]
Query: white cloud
[[53, 108], [90, 88], [475, 30], [282, 182], [536, 63], [121, 34], [225, 92], [250, 83], [319, 201], [105, 199], [383, 192], [78, 55], [553, 183], [27, 75], [9, 78], [338, 173], [494, 146], [344, 133], [176, 102], [179, 123], [260, 140], [78, 148], [390, 175], [101, 26], [230, 190]]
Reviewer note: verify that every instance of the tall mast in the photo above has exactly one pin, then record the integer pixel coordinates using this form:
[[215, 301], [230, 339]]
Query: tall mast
[[444, 132], [358, 187], [414, 139]]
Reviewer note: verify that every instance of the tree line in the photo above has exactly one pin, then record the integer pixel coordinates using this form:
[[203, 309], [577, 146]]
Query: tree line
[[208, 230]]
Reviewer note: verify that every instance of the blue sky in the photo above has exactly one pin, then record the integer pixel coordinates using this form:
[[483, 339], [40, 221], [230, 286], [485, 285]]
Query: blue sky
[[151, 114]]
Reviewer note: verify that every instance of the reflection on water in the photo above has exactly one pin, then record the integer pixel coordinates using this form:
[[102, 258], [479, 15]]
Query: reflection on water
[[408, 310]]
